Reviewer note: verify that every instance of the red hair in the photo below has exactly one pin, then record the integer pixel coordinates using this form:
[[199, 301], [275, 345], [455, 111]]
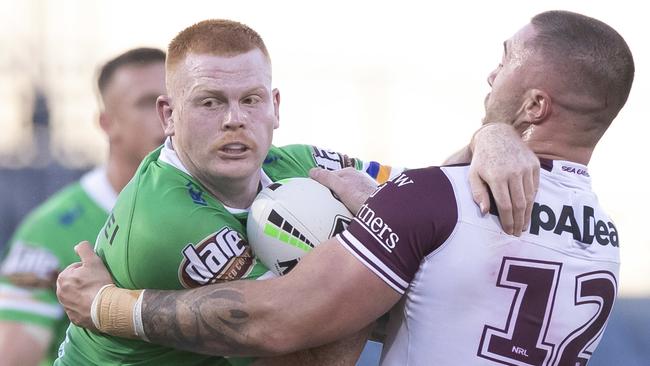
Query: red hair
[[216, 37]]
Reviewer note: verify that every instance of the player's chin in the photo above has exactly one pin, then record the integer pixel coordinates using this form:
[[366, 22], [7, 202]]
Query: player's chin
[[238, 168]]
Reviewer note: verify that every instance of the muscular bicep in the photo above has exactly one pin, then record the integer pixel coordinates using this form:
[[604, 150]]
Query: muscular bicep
[[331, 295]]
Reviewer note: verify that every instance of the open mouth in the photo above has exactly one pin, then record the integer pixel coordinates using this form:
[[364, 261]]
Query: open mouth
[[234, 149]]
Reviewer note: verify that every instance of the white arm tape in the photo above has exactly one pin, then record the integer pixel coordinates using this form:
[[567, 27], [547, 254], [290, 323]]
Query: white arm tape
[[138, 326]]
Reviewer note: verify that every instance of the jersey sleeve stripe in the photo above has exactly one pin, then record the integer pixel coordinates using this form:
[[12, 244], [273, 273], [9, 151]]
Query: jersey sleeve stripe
[[369, 260], [373, 169], [384, 174], [352, 240]]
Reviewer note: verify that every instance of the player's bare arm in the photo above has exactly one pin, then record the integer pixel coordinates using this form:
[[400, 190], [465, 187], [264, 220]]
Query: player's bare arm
[[351, 186], [344, 352], [240, 318], [501, 161]]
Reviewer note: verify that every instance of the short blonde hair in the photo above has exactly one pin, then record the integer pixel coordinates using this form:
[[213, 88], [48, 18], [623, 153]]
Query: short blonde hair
[[219, 37]]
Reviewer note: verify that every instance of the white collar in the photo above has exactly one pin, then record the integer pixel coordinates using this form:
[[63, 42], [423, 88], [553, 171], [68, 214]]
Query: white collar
[[96, 185], [568, 170], [169, 156]]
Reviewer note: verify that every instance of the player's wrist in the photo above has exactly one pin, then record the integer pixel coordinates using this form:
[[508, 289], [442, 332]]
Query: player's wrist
[[491, 126], [94, 313], [117, 311]]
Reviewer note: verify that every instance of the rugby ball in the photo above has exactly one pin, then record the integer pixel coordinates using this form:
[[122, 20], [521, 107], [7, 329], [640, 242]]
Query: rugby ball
[[289, 218]]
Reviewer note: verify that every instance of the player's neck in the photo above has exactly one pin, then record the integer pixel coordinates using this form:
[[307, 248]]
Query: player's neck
[[235, 193], [571, 138], [119, 172], [556, 151]]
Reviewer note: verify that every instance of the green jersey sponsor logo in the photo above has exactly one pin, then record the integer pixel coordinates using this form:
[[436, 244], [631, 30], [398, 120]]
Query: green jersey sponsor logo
[[222, 256]]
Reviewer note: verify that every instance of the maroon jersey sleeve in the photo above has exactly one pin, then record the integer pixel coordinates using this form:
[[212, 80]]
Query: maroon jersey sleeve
[[401, 223]]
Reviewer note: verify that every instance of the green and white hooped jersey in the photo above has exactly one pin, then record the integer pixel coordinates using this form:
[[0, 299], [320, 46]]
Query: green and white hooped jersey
[[42, 246], [167, 232]]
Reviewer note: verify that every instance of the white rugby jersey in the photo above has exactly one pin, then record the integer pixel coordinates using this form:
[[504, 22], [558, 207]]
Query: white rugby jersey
[[476, 296]]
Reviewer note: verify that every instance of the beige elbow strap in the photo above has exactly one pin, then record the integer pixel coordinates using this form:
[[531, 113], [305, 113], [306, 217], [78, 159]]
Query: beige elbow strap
[[116, 311]]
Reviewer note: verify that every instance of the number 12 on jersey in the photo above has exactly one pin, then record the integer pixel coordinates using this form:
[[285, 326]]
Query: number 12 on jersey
[[523, 341]]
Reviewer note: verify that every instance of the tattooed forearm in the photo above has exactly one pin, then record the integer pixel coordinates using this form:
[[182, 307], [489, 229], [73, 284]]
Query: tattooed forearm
[[210, 320], [217, 320]]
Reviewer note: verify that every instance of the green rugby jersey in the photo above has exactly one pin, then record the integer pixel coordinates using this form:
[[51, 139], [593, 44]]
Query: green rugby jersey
[[42, 246], [167, 232]]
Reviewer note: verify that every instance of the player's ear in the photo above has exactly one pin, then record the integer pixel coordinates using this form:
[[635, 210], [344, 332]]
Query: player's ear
[[537, 106], [276, 107], [165, 114], [106, 123]]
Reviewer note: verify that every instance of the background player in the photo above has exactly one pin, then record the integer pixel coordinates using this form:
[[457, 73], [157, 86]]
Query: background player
[[186, 206], [32, 324], [469, 294]]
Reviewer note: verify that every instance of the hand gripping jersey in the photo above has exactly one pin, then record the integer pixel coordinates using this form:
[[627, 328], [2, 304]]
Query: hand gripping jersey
[[42, 246], [167, 232], [476, 296]]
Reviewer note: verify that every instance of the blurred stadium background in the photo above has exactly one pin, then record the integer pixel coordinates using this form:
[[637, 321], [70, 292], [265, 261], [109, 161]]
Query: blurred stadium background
[[403, 84]]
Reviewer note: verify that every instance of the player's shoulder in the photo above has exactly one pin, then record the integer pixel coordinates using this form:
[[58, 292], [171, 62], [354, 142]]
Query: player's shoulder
[[40, 244], [159, 186], [443, 187], [164, 198], [58, 202], [422, 197], [425, 189], [293, 152], [304, 157], [44, 240], [288, 161], [424, 178], [61, 211], [163, 190]]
